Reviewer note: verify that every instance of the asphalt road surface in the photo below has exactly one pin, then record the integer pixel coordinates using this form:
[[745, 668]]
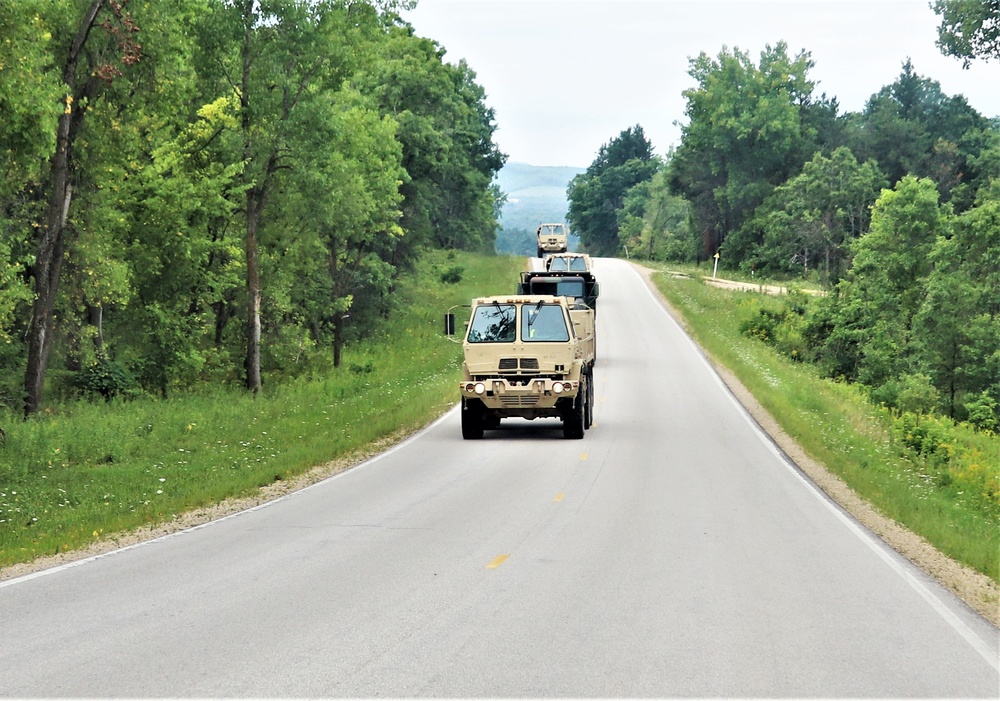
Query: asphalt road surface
[[671, 552]]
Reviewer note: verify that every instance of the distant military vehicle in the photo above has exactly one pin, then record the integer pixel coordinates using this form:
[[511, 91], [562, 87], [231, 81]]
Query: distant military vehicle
[[528, 356], [569, 263], [552, 238]]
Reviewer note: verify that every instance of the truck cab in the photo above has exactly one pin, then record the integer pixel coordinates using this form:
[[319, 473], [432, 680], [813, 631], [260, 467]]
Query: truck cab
[[552, 238], [528, 356]]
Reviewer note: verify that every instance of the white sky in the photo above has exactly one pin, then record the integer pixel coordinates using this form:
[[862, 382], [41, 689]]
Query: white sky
[[566, 76]]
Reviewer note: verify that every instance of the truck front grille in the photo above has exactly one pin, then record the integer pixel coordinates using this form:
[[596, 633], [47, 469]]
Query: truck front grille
[[508, 364], [515, 400]]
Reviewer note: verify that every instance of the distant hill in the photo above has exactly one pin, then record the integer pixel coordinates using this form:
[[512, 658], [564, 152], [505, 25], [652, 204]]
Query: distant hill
[[535, 194]]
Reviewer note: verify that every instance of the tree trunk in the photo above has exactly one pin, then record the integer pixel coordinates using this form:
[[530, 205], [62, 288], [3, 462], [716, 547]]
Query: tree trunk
[[338, 338], [254, 201], [253, 295], [96, 318], [52, 238]]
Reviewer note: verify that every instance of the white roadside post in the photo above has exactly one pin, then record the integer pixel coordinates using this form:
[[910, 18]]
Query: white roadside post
[[715, 269]]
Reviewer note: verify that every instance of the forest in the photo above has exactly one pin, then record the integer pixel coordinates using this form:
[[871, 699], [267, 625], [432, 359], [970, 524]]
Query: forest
[[220, 191], [225, 192], [892, 214]]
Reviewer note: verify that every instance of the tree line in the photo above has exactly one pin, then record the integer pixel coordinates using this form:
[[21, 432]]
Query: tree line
[[214, 191], [894, 209]]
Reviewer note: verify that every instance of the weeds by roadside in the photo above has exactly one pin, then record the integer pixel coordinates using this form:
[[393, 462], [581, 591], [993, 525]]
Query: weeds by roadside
[[83, 470]]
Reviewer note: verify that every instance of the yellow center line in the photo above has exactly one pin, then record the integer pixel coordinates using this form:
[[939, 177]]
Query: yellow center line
[[559, 497], [583, 456], [497, 561]]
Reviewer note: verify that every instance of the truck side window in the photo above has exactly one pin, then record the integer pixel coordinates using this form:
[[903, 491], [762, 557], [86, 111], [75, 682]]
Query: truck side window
[[493, 323], [543, 322]]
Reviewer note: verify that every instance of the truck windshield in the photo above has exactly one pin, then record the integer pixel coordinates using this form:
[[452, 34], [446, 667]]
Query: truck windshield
[[571, 287], [493, 323], [543, 322]]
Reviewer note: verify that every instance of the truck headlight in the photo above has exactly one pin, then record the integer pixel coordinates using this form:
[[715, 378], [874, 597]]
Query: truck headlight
[[480, 388], [557, 387]]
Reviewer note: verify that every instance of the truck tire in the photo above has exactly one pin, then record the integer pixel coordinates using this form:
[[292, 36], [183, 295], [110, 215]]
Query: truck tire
[[541, 253], [588, 418], [573, 424], [473, 419]]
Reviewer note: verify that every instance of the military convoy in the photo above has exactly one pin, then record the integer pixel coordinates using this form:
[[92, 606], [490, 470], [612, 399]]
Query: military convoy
[[552, 238], [531, 354]]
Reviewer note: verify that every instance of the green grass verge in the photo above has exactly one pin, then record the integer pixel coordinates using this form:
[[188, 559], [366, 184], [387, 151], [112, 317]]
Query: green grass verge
[[84, 470], [837, 426]]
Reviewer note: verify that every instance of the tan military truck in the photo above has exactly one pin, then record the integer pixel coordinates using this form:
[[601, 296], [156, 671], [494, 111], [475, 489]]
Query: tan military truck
[[527, 356], [552, 238], [569, 263]]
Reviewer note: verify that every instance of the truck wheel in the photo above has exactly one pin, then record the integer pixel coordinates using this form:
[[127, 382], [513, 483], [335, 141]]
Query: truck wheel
[[540, 253], [473, 419], [573, 424], [588, 419]]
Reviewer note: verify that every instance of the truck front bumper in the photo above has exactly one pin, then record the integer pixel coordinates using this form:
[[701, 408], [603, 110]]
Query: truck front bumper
[[534, 393]]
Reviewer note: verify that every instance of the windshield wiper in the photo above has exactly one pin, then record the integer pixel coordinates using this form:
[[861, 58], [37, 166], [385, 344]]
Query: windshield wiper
[[533, 316]]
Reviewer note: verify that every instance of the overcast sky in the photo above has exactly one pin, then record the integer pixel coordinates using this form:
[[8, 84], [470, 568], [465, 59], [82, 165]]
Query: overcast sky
[[566, 76]]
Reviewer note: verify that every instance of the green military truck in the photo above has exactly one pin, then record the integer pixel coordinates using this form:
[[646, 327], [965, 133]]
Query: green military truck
[[527, 356]]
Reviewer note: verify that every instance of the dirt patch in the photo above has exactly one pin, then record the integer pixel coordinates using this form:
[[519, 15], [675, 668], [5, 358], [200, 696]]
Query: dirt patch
[[753, 287], [974, 588]]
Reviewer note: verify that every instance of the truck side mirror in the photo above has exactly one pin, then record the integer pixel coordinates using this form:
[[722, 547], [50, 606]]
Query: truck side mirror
[[449, 324]]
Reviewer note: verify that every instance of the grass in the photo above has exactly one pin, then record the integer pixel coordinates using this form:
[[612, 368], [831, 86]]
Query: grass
[[837, 426], [82, 471]]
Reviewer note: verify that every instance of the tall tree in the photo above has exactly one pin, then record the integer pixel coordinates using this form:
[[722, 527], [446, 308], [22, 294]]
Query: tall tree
[[808, 221], [343, 204], [30, 106], [912, 126], [95, 42], [746, 134], [956, 336], [446, 131], [876, 304], [654, 223], [596, 195], [278, 57]]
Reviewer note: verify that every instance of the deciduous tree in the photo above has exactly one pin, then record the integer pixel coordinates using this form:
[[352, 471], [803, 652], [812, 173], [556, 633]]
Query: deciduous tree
[[969, 29], [745, 135], [596, 195]]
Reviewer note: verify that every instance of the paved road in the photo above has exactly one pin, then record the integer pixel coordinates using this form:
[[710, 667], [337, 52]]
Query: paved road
[[672, 552]]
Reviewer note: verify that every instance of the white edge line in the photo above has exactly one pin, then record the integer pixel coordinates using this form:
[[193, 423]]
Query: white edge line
[[876, 545], [367, 463]]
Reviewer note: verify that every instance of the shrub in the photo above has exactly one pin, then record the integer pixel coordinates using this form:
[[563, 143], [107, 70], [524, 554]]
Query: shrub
[[917, 394], [983, 412], [452, 275], [106, 378]]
